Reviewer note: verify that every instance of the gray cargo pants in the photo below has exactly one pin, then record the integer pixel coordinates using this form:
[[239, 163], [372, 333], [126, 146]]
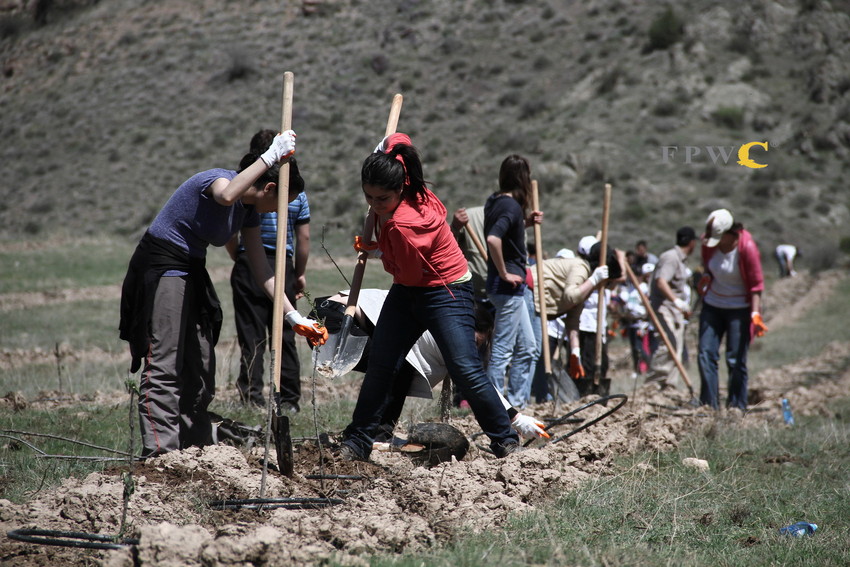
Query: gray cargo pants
[[178, 380]]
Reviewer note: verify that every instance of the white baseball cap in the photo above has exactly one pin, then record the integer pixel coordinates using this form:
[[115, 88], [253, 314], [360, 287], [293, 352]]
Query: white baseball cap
[[565, 253], [585, 244], [717, 223], [647, 268]]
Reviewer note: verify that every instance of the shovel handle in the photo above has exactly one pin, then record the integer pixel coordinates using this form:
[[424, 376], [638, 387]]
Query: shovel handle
[[600, 307], [282, 218], [652, 315], [369, 223], [540, 288], [477, 241]]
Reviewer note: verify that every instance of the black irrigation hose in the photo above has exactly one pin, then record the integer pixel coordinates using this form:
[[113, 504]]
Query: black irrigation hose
[[334, 477], [269, 503], [623, 399], [70, 539], [568, 418]]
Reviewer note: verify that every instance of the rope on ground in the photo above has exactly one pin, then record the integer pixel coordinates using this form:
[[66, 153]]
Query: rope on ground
[[66, 439]]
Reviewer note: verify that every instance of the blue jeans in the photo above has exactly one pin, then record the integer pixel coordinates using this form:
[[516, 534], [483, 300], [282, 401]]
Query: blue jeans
[[448, 312], [513, 343], [713, 324]]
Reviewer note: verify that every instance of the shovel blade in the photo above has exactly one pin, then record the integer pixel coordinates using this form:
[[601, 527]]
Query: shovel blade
[[561, 386], [340, 353], [283, 445]]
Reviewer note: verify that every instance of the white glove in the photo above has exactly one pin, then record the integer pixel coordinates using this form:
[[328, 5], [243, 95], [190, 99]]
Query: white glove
[[527, 426], [381, 145], [282, 146], [295, 318], [682, 305], [307, 328], [599, 274]]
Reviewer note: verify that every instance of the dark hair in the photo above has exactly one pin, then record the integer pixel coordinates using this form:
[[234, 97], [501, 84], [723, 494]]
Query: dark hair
[[515, 178], [260, 142], [385, 170], [615, 271]]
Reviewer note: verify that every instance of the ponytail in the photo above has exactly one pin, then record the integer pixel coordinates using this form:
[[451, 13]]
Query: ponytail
[[397, 168]]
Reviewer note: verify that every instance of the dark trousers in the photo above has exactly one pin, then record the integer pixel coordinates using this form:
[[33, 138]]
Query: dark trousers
[[254, 319], [587, 342], [447, 311], [178, 381]]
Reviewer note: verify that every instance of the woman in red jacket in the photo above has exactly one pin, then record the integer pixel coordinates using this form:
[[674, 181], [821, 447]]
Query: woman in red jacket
[[731, 290], [431, 290]]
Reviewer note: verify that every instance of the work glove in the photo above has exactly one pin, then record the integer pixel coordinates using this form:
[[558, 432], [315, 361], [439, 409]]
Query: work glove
[[576, 369], [682, 305], [759, 325], [283, 146], [371, 248], [311, 330], [381, 145], [599, 274], [527, 426]]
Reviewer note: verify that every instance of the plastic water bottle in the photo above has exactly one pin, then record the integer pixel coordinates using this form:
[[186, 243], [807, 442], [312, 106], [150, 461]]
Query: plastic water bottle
[[786, 412], [799, 529]]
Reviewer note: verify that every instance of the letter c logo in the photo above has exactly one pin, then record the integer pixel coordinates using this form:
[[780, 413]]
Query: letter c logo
[[744, 155]]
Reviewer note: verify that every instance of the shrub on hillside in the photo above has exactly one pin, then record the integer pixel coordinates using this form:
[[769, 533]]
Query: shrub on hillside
[[729, 116], [665, 30]]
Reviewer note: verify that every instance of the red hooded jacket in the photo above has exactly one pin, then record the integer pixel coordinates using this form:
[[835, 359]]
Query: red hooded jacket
[[418, 247]]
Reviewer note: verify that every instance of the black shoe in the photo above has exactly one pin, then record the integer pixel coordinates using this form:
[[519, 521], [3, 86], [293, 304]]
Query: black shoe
[[502, 451], [348, 453]]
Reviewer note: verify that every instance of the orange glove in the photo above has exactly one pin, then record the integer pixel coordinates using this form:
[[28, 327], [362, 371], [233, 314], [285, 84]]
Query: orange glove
[[759, 325], [576, 370], [311, 330], [371, 248]]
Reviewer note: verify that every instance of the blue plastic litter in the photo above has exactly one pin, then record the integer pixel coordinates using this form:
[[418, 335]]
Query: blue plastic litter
[[799, 529]]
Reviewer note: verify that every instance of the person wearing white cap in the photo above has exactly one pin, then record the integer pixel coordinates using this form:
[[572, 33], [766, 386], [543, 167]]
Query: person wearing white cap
[[731, 290], [669, 297], [610, 274]]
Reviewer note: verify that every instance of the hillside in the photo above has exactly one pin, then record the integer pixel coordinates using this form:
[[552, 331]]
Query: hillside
[[108, 106]]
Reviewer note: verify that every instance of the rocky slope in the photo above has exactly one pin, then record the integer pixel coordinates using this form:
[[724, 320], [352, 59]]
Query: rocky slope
[[108, 106]]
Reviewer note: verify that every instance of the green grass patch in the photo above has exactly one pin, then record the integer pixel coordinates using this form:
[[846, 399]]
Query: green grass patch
[[656, 511], [73, 264], [83, 324], [24, 474]]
